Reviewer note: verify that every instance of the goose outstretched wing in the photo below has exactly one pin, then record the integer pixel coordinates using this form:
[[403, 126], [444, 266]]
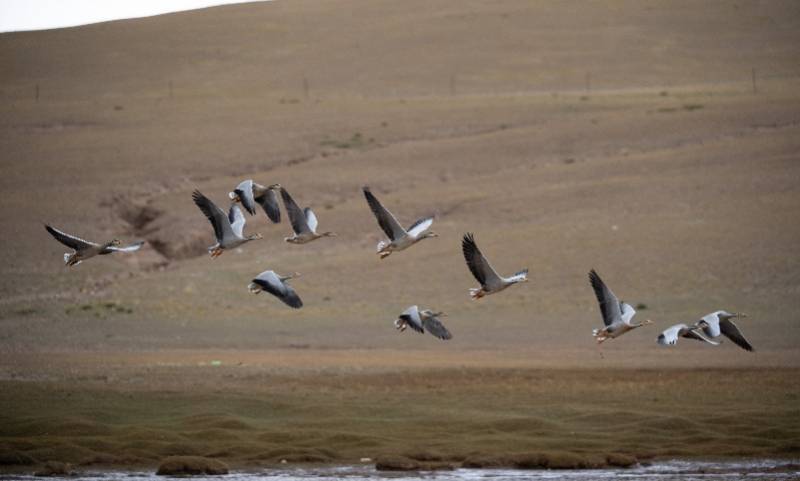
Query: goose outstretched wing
[[269, 202], [219, 221], [477, 263], [610, 306], [433, 325], [386, 220], [69, 240], [296, 215], [729, 330]]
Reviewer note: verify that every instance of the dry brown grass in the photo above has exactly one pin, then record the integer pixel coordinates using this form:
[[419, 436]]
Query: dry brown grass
[[523, 417]]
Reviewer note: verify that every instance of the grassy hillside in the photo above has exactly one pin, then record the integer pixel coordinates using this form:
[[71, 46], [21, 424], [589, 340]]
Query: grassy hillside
[[661, 169]]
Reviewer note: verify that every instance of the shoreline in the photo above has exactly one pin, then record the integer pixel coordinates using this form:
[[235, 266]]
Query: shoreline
[[675, 466]]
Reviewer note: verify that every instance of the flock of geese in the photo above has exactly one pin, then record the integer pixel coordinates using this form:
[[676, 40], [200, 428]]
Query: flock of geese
[[229, 233]]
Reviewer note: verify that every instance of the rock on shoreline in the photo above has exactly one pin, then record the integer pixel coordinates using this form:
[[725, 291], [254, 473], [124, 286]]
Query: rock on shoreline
[[190, 465]]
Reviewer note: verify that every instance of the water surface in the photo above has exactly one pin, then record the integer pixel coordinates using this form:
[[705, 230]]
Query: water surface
[[752, 470]]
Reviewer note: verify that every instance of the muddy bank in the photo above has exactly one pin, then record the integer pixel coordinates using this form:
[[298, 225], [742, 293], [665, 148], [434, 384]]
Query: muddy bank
[[257, 417]]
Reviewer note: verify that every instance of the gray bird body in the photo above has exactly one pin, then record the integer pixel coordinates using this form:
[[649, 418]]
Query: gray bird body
[[399, 238], [491, 281], [304, 222], [719, 323], [617, 316], [421, 321], [250, 193], [670, 335], [228, 229], [83, 249], [278, 286]]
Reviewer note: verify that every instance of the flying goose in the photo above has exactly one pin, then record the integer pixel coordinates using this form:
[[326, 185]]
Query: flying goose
[[719, 323], [399, 238], [671, 334], [277, 286], [249, 193], [617, 315], [304, 222], [83, 249], [228, 229], [421, 321], [490, 281]]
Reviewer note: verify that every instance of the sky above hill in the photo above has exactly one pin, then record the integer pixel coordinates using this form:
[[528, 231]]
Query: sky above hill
[[18, 15]]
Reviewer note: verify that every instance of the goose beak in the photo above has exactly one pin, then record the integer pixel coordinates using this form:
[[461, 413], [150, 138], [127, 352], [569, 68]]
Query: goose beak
[[233, 196], [274, 186], [741, 314]]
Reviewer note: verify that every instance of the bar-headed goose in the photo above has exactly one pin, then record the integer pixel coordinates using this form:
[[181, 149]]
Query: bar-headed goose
[[276, 285], [617, 316], [399, 238], [304, 222], [671, 334], [83, 249], [491, 282], [421, 321], [228, 229], [250, 193], [719, 323]]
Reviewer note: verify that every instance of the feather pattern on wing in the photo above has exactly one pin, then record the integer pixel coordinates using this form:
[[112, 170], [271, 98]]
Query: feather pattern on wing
[[69, 240], [219, 221], [386, 220], [296, 215], [477, 263], [269, 202], [434, 326], [729, 330], [610, 306]]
